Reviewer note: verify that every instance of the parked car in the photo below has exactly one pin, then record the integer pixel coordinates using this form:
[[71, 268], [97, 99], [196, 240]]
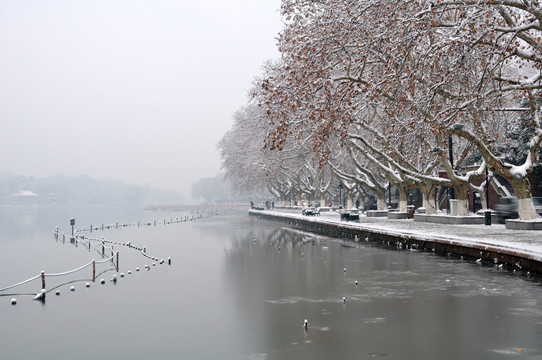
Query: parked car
[[507, 208], [370, 205]]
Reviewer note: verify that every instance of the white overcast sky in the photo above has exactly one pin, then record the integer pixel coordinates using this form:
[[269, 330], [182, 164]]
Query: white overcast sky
[[134, 90]]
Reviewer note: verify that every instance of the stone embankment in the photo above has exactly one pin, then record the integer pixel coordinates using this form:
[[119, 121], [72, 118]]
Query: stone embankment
[[492, 245]]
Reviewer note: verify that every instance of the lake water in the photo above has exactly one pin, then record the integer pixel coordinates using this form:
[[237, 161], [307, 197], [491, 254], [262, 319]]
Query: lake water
[[240, 287]]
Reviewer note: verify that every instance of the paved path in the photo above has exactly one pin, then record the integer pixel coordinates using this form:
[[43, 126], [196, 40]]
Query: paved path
[[524, 242]]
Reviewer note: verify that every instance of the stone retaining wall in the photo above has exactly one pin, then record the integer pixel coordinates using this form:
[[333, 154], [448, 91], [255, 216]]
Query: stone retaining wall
[[493, 255]]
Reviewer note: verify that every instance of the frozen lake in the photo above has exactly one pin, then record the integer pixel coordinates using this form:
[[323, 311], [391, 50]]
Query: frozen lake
[[240, 288]]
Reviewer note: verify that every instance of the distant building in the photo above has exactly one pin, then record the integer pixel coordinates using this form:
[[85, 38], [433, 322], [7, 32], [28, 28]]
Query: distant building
[[24, 197], [25, 193]]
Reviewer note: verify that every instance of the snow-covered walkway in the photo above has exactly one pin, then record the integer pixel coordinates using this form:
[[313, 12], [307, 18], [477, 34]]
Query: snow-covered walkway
[[524, 243]]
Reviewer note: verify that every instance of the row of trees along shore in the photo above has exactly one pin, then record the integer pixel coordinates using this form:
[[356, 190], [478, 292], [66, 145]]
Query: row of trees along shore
[[375, 93]]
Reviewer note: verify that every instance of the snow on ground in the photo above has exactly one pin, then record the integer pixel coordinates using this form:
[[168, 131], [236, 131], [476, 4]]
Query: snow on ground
[[522, 242]]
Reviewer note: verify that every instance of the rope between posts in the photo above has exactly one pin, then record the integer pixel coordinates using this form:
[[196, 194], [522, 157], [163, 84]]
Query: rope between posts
[[105, 260], [22, 282], [82, 267], [60, 274], [71, 271]]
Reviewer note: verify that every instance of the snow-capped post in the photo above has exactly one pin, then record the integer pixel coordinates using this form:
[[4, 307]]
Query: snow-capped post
[[90, 227], [43, 279], [117, 261], [93, 270], [72, 223]]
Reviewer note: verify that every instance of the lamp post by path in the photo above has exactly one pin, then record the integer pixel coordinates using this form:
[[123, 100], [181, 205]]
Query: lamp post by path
[[340, 187], [389, 194], [487, 213], [310, 187], [451, 193]]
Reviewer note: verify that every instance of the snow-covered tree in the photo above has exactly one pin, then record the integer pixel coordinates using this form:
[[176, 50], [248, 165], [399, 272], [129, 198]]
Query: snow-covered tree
[[426, 66]]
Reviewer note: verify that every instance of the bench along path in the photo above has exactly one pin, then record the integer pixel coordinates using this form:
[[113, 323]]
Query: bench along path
[[510, 249]]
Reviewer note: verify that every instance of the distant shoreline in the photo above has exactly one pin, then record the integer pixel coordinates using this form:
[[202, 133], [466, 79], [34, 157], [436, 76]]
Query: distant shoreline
[[198, 207]]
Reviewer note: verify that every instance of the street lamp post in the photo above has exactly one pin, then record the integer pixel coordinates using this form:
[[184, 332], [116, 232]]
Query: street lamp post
[[340, 187], [487, 213], [389, 194], [451, 154], [310, 187]]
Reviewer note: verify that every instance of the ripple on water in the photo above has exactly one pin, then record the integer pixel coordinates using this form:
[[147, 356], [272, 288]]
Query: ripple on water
[[376, 320], [514, 351], [262, 356]]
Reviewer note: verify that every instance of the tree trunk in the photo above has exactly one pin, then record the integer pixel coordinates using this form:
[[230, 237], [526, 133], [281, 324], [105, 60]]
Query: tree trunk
[[381, 200], [429, 199], [526, 208], [349, 201], [462, 193], [322, 199], [403, 199]]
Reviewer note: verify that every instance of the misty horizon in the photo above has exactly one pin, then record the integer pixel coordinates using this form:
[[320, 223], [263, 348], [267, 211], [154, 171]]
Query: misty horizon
[[135, 91]]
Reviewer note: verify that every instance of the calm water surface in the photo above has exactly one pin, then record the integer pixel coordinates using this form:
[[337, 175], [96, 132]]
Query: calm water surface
[[240, 287]]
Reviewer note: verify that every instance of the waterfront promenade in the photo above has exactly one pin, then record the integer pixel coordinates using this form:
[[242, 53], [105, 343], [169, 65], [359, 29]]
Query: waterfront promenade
[[513, 249]]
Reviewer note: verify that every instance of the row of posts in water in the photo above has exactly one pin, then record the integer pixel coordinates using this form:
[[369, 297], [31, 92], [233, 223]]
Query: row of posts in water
[[74, 241], [155, 222], [114, 255]]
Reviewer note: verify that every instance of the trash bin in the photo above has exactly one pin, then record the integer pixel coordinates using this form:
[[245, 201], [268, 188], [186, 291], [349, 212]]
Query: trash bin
[[410, 211], [454, 207], [487, 217]]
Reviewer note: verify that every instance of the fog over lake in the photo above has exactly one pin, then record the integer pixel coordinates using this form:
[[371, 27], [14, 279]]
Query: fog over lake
[[139, 91]]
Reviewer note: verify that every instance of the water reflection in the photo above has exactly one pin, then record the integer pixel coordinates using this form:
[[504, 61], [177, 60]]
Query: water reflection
[[240, 288], [406, 305]]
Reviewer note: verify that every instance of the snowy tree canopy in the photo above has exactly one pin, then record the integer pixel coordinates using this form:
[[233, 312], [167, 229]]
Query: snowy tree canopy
[[398, 82]]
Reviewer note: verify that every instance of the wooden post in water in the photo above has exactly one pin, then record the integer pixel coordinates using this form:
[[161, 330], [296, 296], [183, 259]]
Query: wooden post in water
[[117, 261], [72, 223], [103, 248], [43, 279], [93, 270]]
